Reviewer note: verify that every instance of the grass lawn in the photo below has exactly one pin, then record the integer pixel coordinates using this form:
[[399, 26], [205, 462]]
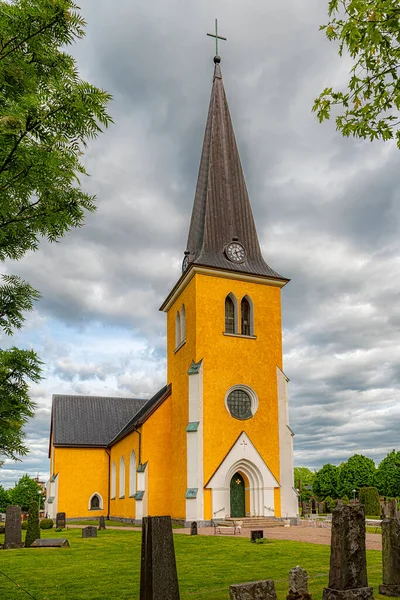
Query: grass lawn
[[108, 567]]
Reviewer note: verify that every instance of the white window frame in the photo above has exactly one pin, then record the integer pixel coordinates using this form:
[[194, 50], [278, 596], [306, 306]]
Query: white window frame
[[113, 480], [253, 397], [122, 477], [251, 309], [132, 474], [232, 297], [100, 501]]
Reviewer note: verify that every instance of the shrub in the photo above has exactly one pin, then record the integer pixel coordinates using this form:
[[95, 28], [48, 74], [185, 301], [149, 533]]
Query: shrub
[[33, 529], [370, 498], [24, 525], [46, 524], [345, 500]]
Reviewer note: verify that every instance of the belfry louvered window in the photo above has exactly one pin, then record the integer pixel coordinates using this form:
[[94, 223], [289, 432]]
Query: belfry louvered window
[[239, 404], [245, 313], [229, 315]]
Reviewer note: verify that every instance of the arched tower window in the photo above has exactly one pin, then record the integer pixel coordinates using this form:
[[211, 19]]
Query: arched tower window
[[177, 329], [113, 480], [122, 477], [183, 323], [132, 474], [246, 311], [230, 314]]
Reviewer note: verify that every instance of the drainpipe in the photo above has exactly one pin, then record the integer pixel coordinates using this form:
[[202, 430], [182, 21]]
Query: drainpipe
[[140, 444], [109, 483]]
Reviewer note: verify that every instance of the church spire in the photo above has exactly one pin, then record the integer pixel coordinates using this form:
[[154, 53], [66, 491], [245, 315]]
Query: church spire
[[222, 231]]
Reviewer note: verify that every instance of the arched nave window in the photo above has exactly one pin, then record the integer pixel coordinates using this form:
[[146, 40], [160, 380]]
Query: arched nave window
[[230, 314], [177, 329], [95, 502], [132, 473], [246, 311], [183, 323], [113, 480], [122, 477]]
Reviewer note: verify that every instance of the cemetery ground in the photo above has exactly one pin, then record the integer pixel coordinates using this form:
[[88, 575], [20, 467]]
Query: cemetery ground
[[108, 567]]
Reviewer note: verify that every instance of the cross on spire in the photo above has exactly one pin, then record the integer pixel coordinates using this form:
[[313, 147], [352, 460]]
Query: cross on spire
[[216, 36]]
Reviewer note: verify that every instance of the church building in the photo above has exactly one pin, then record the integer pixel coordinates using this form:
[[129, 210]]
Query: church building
[[215, 441]]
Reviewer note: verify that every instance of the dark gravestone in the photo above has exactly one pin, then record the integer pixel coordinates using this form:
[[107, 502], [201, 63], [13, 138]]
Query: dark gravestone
[[193, 528], [61, 520], [391, 553], [49, 543], [254, 590], [256, 534], [348, 565], [389, 509], [102, 523], [89, 532], [321, 508], [298, 585], [13, 529], [313, 506], [158, 576]]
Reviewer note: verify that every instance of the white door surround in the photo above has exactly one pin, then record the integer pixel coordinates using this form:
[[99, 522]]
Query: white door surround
[[243, 458]]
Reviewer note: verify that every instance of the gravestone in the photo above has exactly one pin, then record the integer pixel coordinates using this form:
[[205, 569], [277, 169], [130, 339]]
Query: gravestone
[[254, 590], [50, 543], [389, 509], [348, 565], [321, 508], [89, 532], [390, 552], [102, 523], [256, 534], [158, 575], [193, 528], [313, 506], [61, 520], [13, 529], [298, 585]]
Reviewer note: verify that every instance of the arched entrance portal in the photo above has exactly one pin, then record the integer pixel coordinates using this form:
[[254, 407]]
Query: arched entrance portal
[[238, 496]]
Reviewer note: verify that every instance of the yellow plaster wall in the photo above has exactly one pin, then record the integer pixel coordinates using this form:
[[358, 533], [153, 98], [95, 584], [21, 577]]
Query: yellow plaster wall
[[124, 507], [82, 472], [177, 368]]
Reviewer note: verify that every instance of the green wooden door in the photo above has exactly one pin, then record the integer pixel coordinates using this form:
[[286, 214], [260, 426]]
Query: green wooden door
[[238, 503]]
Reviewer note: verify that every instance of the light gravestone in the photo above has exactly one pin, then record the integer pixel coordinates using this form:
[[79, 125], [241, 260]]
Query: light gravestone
[[89, 532], [390, 552], [158, 575], [50, 543], [348, 565], [61, 520], [298, 585], [254, 590], [13, 529]]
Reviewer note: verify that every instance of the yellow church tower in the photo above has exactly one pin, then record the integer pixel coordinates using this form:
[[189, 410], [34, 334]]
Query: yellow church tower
[[231, 444]]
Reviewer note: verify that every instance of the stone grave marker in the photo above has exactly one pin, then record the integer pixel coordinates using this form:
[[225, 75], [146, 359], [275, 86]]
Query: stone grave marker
[[348, 565], [193, 528], [50, 543], [13, 529], [298, 585], [89, 532], [390, 552], [254, 590], [61, 520], [158, 575], [102, 523], [256, 534]]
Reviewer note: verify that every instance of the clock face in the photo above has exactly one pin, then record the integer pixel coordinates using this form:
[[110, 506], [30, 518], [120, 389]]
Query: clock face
[[185, 263], [235, 252]]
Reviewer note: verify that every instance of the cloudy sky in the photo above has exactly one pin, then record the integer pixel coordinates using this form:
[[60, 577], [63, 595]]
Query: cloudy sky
[[327, 212]]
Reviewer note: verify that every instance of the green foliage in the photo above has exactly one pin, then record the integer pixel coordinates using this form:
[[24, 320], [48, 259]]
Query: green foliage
[[387, 476], [33, 529], [345, 499], [357, 472], [369, 32], [26, 490], [4, 499], [303, 477], [326, 482], [46, 524], [24, 525], [369, 497], [47, 115]]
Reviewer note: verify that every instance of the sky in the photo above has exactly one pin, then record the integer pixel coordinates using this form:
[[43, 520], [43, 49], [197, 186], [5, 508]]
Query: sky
[[326, 208]]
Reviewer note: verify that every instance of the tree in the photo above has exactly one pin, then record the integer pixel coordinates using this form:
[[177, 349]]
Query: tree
[[4, 499], [47, 115], [369, 32], [26, 490], [33, 529], [326, 482], [387, 476], [357, 472], [369, 497], [303, 477]]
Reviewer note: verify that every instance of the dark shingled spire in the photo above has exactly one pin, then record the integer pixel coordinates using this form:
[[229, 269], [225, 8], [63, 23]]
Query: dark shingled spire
[[221, 210]]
